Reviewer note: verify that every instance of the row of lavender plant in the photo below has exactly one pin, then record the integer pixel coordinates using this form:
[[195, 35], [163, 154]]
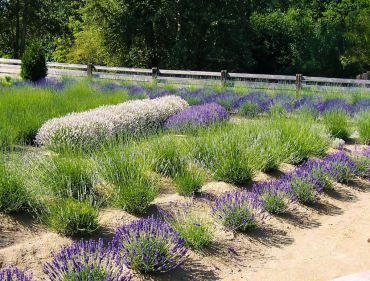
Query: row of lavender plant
[[243, 210], [144, 246]]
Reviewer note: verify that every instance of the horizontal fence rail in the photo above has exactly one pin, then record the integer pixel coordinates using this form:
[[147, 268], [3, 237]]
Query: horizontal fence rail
[[12, 67]]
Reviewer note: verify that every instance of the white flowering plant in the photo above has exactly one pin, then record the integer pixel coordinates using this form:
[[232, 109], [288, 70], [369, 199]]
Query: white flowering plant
[[90, 127]]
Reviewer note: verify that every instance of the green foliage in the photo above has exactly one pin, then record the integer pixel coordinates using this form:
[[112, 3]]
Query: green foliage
[[128, 169], [14, 196], [189, 181], [69, 177], [363, 125], [249, 109], [195, 228], [72, 218], [34, 63], [337, 123]]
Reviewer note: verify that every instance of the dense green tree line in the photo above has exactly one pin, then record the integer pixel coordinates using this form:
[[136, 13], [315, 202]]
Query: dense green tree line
[[314, 37]]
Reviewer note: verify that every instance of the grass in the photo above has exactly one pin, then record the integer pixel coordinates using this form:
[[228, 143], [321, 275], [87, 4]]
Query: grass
[[24, 109]]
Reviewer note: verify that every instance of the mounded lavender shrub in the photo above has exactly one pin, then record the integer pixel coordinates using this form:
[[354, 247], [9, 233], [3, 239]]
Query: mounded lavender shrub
[[337, 103], [91, 127], [197, 116], [305, 187], [361, 105], [150, 245], [319, 171], [253, 104], [276, 196], [239, 210], [86, 261], [340, 166], [14, 274], [361, 159]]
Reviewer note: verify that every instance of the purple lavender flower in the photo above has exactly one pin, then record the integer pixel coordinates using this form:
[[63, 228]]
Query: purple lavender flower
[[150, 245], [309, 102], [87, 261], [14, 274], [239, 210], [257, 102], [276, 195], [197, 115], [340, 166], [361, 105], [361, 159], [319, 171], [285, 100], [225, 99], [337, 103], [304, 185]]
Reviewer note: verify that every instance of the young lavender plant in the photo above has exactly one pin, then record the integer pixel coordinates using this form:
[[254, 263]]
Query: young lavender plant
[[340, 167], [239, 210], [305, 187], [86, 261], [150, 245], [14, 274], [276, 196]]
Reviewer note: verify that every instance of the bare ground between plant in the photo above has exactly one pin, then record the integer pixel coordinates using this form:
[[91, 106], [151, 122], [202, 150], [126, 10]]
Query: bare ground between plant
[[309, 243]]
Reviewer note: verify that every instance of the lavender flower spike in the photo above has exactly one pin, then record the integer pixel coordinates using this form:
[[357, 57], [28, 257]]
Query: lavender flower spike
[[14, 274]]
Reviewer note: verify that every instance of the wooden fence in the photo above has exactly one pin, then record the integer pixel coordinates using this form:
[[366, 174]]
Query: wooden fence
[[12, 67]]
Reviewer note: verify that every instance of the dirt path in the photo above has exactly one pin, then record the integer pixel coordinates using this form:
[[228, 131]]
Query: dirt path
[[337, 247]]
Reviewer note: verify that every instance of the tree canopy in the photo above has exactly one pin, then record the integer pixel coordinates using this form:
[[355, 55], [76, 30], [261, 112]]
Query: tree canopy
[[314, 37]]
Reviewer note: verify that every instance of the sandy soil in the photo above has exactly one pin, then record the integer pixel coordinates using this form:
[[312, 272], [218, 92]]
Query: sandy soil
[[318, 243]]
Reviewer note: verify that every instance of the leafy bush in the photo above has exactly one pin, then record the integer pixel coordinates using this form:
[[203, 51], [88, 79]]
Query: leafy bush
[[150, 245], [128, 170], [69, 177], [72, 218], [86, 260], [276, 196], [189, 180], [249, 109], [14, 274], [337, 123], [238, 210], [363, 125], [34, 63], [91, 127], [14, 196], [193, 226]]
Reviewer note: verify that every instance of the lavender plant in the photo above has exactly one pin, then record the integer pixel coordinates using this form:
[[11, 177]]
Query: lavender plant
[[193, 224], [319, 171], [336, 120], [71, 218], [340, 166], [189, 180], [363, 125], [14, 274], [239, 210], [197, 116], [361, 159], [150, 245], [86, 261], [305, 187], [276, 196], [14, 196]]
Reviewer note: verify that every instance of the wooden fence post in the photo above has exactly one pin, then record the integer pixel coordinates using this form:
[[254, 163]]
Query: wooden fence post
[[224, 76], [155, 73], [90, 69], [298, 83]]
